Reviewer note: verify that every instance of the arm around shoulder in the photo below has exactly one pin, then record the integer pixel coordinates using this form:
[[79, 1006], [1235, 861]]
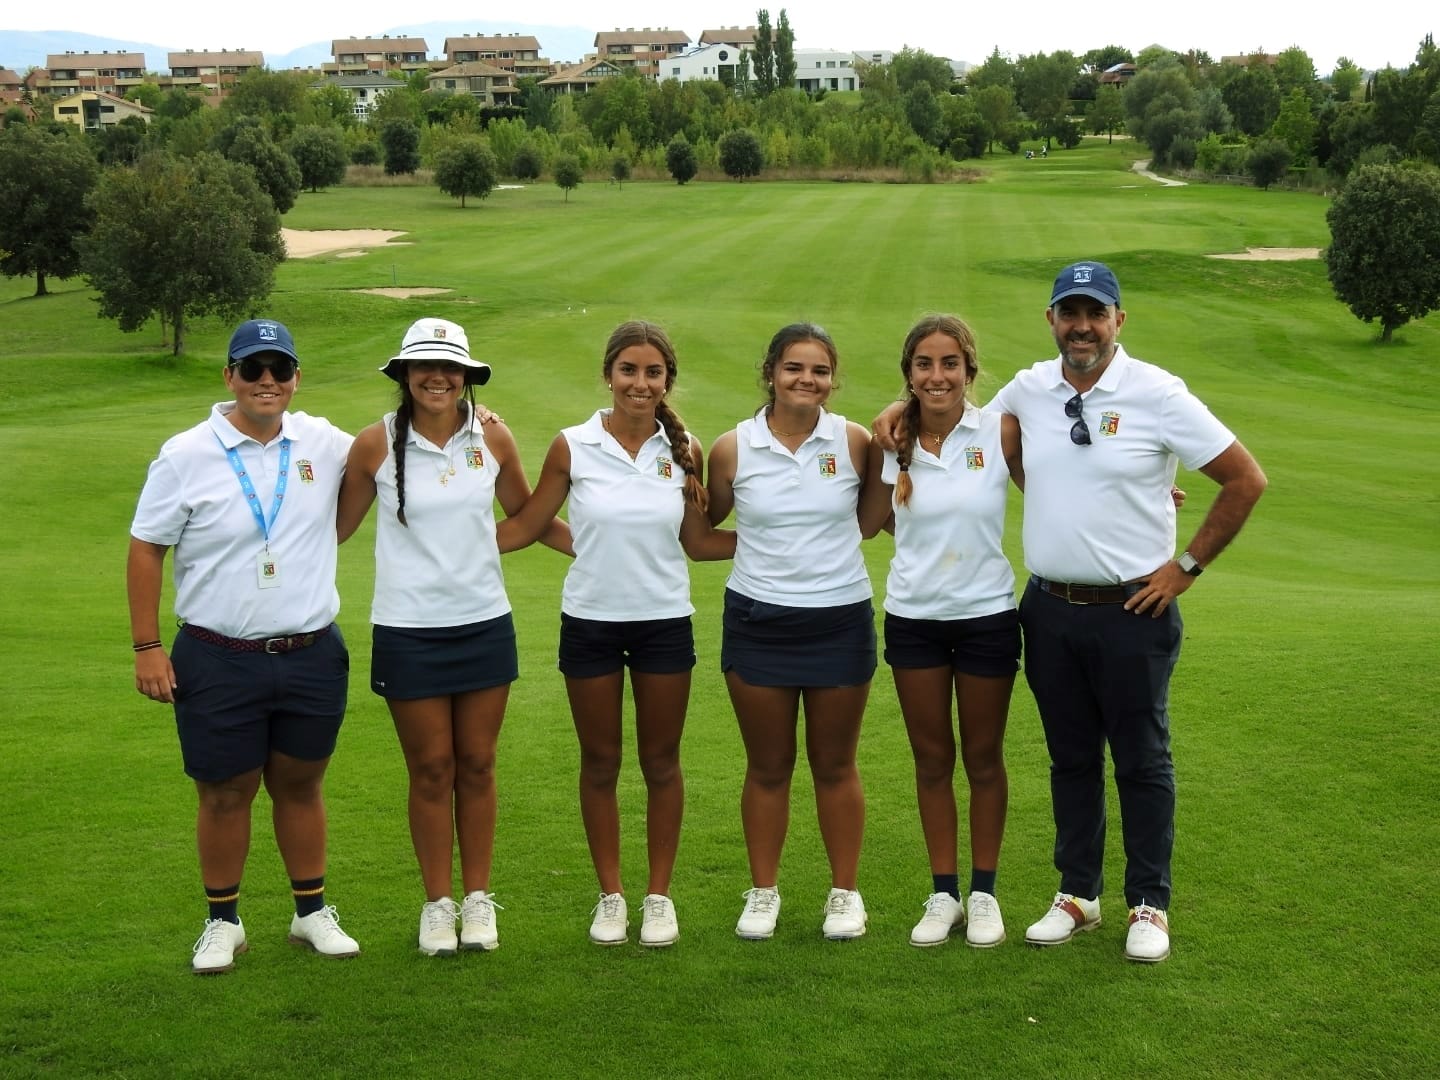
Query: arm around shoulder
[[357, 489]]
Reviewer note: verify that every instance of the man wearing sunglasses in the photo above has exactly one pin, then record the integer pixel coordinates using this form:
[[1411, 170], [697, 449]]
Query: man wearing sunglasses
[[258, 672], [1101, 434]]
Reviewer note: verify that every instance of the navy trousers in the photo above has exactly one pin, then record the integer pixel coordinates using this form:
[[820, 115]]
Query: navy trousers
[[1101, 675]]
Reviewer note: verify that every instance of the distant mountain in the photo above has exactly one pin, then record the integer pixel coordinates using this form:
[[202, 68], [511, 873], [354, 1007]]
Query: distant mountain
[[21, 49]]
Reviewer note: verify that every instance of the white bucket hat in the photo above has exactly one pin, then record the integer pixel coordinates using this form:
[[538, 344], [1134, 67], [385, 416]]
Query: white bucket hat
[[437, 339]]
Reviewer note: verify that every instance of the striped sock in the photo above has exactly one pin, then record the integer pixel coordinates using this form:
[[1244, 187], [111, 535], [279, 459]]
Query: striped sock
[[946, 883], [223, 903], [309, 895]]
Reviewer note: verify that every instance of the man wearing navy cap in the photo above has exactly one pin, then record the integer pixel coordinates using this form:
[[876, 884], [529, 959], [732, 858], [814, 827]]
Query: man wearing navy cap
[[1101, 434], [258, 672]]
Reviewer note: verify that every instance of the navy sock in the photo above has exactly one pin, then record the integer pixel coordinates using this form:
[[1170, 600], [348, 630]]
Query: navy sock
[[982, 881], [223, 903], [946, 883], [309, 895]]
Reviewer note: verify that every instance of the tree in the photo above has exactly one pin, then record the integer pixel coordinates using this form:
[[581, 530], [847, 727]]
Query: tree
[[924, 114], [145, 93], [996, 104], [526, 164], [1345, 79], [319, 153], [1384, 253], [740, 154], [400, 142], [568, 173], [120, 143], [680, 159], [1107, 114], [266, 93], [744, 66], [365, 152], [181, 238], [620, 170], [1295, 126], [332, 106], [914, 66], [1269, 160], [1294, 70], [466, 167], [1253, 98], [762, 57], [44, 179], [784, 53], [275, 169], [1042, 89], [997, 70]]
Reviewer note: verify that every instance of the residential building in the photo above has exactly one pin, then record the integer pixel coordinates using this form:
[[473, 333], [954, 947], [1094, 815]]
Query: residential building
[[210, 72], [488, 85], [1246, 59], [642, 51], [1117, 75], [365, 89], [356, 55], [825, 69], [709, 63], [13, 93], [742, 37], [112, 72], [519, 53], [580, 78], [95, 109]]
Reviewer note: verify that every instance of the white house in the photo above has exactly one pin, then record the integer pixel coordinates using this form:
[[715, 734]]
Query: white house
[[825, 69], [704, 63], [365, 89]]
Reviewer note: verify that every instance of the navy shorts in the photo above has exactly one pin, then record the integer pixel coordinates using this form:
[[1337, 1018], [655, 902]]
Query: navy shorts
[[233, 708], [408, 663], [772, 645], [590, 648], [988, 645]]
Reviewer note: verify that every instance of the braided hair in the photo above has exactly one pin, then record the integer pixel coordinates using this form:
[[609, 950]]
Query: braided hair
[[639, 332], [401, 433], [953, 327]]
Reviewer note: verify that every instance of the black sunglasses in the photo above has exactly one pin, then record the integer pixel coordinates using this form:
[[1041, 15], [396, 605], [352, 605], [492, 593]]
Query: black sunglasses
[[253, 368], [1079, 432]]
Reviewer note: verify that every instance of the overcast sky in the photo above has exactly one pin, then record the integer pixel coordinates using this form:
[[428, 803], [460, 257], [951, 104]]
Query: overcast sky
[[1372, 34]]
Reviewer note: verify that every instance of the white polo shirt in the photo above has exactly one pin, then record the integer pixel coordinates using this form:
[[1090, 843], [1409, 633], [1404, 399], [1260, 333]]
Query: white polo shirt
[[625, 525], [444, 569], [1102, 514], [192, 501], [797, 537], [948, 561]]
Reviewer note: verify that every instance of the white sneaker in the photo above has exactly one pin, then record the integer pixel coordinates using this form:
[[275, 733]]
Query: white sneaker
[[986, 928], [612, 920], [1068, 916], [215, 952], [477, 922], [659, 927], [762, 908], [844, 915], [321, 931], [1148, 939], [943, 915], [437, 927]]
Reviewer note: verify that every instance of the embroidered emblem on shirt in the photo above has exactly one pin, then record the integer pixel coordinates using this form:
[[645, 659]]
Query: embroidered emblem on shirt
[[974, 457], [827, 464], [1109, 423], [664, 467], [306, 472], [474, 459]]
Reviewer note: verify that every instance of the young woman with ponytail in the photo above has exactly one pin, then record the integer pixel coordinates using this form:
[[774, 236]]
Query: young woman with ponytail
[[952, 633], [443, 653], [634, 478]]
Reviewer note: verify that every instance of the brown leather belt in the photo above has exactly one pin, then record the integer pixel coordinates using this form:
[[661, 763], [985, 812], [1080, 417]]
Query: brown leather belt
[[1087, 594], [288, 643]]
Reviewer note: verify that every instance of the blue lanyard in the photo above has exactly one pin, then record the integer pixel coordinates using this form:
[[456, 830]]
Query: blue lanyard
[[249, 489]]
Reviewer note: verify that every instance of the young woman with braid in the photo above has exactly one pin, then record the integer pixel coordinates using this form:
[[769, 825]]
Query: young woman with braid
[[443, 653], [634, 479], [952, 633]]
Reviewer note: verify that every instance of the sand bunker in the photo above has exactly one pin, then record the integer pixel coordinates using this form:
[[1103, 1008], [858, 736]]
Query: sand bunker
[[404, 293], [1269, 254], [303, 243]]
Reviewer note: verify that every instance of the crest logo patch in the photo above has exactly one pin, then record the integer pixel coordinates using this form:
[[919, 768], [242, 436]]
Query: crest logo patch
[[474, 458], [306, 471], [827, 464], [664, 468], [1082, 275], [1109, 423], [974, 458], [268, 331]]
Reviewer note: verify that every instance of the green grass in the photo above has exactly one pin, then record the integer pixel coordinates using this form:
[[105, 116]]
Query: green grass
[[1304, 705]]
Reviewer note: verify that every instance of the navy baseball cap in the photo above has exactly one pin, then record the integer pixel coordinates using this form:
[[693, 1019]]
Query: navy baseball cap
[[262, 335], [1091, 279]]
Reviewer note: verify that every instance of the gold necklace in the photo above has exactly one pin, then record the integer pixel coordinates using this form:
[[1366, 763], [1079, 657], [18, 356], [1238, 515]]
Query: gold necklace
[[783, 434], [605, 423]]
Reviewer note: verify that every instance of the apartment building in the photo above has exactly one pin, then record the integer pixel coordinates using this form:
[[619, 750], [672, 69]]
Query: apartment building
[[487, 84], [210, 72], [708, 63], [581, 77], [95, 109], [356, 55], [112, 72], [518, 53], [825, 69], [642, 51], [742, 37]]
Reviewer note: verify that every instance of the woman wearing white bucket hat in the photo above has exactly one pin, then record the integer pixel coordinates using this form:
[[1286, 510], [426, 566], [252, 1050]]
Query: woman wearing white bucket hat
[[443, 654]]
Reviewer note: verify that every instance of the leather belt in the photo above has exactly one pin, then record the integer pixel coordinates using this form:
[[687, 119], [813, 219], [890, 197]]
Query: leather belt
[[288, 643], [1087, 594]]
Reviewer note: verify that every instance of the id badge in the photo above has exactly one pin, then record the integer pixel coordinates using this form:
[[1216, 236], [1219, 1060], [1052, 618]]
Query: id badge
[[267, 571]]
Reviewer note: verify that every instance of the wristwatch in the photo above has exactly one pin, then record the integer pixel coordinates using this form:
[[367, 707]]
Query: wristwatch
[[1187, 563]]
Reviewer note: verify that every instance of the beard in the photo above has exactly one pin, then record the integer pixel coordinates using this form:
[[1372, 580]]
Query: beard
[[1086, 365]]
